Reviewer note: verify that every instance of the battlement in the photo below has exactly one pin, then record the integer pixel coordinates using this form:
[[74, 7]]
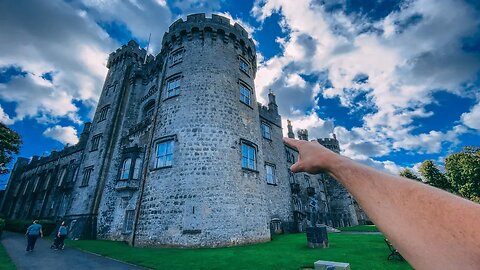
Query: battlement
[[218, 26], [132, 50], [327, 141], [269, 115]]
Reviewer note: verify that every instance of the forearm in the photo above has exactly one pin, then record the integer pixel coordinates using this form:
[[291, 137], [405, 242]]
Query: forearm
[[406, 211]]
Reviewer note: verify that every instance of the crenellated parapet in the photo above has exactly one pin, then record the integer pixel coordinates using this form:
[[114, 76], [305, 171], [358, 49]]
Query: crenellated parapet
[[330, 143], [217, 28], [131, 50]]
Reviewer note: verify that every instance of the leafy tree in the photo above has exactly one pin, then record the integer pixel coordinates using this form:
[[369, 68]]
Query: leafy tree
[[463, 172], [409, 174], [433, 176], [9, 145]]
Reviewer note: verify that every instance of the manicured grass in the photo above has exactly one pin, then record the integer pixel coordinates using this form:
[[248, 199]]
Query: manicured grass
[[360, 228], [5, 261], [284, 252]]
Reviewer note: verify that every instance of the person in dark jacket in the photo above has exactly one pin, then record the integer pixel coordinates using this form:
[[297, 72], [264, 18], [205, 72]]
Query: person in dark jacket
[[33, 232], [60, 237]]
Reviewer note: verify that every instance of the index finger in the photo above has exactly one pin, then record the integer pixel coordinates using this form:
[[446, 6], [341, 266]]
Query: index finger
[[291, 142]]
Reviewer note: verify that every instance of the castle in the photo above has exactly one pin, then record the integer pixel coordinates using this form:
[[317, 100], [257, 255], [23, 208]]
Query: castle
[[179, 153]]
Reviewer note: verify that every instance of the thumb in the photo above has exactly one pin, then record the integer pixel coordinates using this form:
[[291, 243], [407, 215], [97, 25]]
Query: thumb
[[297, 167]]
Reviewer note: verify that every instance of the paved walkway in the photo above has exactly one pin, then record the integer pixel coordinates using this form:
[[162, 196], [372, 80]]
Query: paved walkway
[[45, 258], [354, 232]]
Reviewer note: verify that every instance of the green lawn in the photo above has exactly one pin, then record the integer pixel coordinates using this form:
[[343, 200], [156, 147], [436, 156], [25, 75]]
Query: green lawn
[[360, 228], [284, 252], [5, 261]]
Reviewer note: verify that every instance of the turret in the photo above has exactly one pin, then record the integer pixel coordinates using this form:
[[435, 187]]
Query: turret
[[290, 130], [272, 104], [302, 134], [85, 132]]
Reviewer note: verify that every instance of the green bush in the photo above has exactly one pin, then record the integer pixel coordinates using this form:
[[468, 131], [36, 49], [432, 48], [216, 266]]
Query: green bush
[[21, 225], [2, 224]]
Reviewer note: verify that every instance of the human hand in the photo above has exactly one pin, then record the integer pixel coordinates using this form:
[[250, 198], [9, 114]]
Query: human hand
[[313, 157]]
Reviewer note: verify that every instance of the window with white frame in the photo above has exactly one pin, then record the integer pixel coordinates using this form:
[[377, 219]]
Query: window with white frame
[[26, 187], [244, 66], [266, 131], [35, 186], [164, 154], [125, 172], [245, 95], [128, 221], [307, 179], [270, 174], [136, 169], [173, 87], [177, 57], [249, 159]]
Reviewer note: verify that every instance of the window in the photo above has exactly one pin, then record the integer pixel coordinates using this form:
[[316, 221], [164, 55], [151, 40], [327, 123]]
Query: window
[[249, 160], [125, 173], [128, 222], [245, 95], [96, 142], [137, 168], [164, 154], [47, 182], [26, 187], [35, 186], [149, 109], [244, 66], [291, 176], [270, 174], [173, 87], [307, 179], [86, 175], [266, 131], [61, 176], [103, 113], [177, 56]]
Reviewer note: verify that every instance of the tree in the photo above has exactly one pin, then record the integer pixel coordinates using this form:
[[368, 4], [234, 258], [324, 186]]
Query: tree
[[409, 174], [463, 172], [9, 145], [433, 176]]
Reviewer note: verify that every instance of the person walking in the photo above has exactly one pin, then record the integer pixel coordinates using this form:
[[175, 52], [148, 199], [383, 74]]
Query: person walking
[[61, 235], [33, 231]]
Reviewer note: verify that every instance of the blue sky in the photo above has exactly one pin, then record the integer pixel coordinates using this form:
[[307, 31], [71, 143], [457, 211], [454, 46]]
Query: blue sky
[[397, 81]]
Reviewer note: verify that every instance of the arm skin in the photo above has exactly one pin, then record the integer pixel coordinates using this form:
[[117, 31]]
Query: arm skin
[[431, 228]]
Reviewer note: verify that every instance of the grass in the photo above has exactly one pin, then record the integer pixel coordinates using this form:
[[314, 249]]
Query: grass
[[5, 261], [360, 228], [284, 252]]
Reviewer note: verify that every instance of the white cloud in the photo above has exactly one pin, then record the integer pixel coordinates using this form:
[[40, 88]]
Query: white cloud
[[65, 135], [5, 118], [472, 118], [404, 65]]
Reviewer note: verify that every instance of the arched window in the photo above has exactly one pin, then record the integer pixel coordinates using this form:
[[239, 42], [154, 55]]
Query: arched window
[[136, 169], [125, 168]]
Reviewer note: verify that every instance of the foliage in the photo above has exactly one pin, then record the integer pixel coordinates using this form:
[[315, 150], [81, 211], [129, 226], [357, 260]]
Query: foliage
[[2, 224], [284, 252], [5, 261], [21, 225], [409, 174], [9, 145], [433, 175], [360, 228], [463, 172]]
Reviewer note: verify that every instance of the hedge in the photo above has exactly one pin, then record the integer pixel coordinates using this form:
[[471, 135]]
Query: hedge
[[21, 225]]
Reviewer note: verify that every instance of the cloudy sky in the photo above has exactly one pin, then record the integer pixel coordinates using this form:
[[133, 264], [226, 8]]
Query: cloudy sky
[[397, 81]]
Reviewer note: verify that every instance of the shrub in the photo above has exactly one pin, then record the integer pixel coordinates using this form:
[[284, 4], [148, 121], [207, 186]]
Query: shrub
[[2, 224], [21, 225]]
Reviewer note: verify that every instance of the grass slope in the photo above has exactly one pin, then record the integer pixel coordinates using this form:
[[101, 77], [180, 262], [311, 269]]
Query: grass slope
[[5, 261], [284, 252]]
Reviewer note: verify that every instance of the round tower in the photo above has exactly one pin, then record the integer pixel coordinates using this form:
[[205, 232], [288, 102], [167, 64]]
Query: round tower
[[205, 181]]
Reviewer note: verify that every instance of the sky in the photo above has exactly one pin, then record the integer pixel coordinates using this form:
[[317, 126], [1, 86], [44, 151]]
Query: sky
[[396, 81]]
